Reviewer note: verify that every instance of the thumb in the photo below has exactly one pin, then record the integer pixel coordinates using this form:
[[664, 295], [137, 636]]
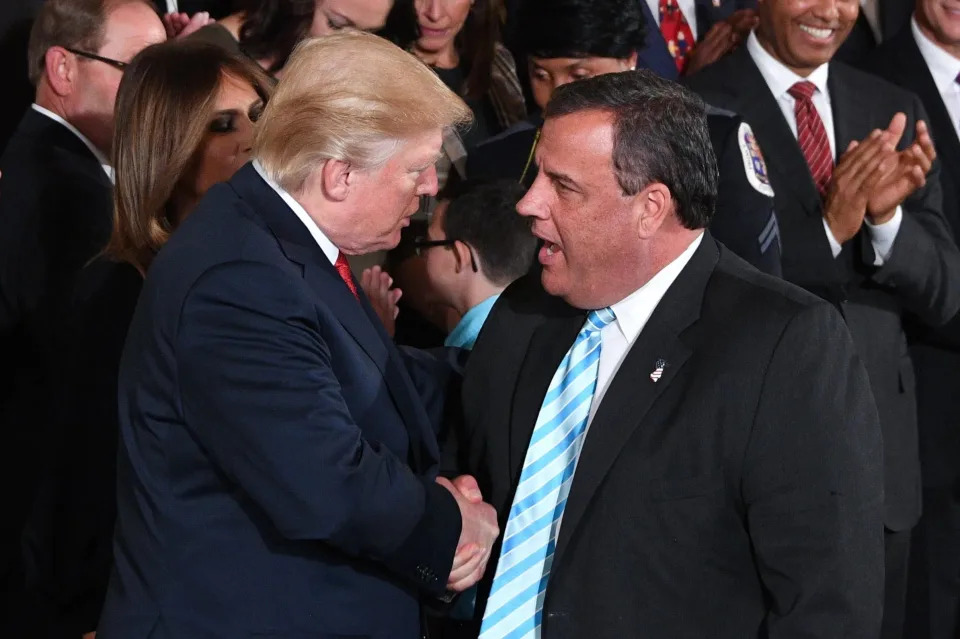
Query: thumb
[[469, 488]]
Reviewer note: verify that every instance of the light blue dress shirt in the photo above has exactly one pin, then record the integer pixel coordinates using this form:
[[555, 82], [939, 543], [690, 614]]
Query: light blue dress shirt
[[466, 331]]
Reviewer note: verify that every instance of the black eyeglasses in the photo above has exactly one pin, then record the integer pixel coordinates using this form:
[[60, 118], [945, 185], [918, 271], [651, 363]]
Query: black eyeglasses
[[116, 64], [421, 244]]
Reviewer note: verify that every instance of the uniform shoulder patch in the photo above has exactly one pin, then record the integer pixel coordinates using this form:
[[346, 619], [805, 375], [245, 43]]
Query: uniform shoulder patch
[[753, 163]]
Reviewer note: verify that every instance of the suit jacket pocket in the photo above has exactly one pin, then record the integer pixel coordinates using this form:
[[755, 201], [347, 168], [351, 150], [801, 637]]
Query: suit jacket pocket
[[671, 489]]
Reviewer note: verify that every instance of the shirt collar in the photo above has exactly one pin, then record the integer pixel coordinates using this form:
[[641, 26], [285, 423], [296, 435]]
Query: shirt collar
[[943, 67], [468, 328], [101, 158], [633, 311], [777, 76], [331, 251]]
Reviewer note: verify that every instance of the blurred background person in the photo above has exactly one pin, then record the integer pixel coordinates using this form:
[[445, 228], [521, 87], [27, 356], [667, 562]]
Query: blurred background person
[[925, 59], [460, 40], [476, 245], [268, 30], [164, 163], [568, 40], [55, 215]]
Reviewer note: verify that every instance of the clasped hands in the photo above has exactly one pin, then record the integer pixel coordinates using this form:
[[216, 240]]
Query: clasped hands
[[478, 533], [872, 178]]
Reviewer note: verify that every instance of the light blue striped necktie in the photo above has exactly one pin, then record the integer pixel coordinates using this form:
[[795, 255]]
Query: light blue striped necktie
[[515, 605]]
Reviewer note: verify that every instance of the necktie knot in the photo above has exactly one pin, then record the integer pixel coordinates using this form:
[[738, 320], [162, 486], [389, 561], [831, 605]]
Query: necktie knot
[[343, 268], [802, 90], [597, 319]]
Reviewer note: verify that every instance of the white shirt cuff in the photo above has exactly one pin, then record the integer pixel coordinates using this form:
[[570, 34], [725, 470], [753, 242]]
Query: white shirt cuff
[[835, 247], [882, 236]]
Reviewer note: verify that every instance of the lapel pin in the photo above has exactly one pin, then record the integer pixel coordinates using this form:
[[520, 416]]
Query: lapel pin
[[658, 371]]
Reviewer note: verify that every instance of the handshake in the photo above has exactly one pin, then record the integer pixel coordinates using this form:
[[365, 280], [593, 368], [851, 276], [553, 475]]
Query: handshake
[[478, 533]]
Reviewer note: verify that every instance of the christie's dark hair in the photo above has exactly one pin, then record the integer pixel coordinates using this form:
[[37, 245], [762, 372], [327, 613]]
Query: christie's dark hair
[[484, 215], [659, 135], [272, 28], [580, 28]]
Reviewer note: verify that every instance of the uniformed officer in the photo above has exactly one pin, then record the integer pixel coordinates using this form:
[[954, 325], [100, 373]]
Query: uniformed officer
[[568, 40]]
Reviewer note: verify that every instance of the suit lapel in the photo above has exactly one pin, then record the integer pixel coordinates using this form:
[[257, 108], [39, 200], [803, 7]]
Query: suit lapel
[[760, 108], [299, 246], [912, 71], [632, 392], [546, 349], [850, 111]]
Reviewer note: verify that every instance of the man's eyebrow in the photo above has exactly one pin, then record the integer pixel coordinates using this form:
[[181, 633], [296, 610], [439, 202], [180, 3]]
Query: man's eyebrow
[[563, 179]]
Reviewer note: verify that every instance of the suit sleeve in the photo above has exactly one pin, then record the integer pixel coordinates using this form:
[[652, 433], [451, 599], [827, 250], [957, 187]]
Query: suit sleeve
[[259, 392], [813, 485], [924, 266], [744, 219]]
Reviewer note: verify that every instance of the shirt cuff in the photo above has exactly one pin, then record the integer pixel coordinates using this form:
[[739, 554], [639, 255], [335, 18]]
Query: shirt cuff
[[882, 236], [835, 247]]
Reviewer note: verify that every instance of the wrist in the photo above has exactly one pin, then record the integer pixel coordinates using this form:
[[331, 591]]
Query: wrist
[[881, 218]]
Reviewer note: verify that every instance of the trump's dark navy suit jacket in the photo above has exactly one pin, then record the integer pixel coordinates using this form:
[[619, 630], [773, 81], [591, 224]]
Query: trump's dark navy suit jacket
[[276, 460]]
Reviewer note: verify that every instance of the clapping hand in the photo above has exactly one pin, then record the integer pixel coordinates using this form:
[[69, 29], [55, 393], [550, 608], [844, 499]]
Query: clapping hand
[[722, 38], [478, 533], [180, 25], [907, 175], [376, 283]]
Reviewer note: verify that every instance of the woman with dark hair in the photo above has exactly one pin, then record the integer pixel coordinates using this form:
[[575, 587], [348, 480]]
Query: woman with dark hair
[[185, 119], [268, 30]]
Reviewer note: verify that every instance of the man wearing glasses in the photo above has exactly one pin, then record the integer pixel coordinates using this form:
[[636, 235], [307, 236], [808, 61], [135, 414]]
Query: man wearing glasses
[[55, 215], [478, 246]]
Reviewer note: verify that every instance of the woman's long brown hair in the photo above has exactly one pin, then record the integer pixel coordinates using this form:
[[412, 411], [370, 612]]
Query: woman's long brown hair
[[164, 106]]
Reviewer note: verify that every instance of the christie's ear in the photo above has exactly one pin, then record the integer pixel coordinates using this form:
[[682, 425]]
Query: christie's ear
[[336, 178], [652, 205], [60, 70]]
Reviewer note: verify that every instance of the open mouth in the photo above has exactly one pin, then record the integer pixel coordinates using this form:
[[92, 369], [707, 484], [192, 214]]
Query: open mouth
[[549, 252]]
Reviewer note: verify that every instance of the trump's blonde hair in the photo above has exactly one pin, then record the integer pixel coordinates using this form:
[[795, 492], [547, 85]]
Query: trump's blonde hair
[[349, 96]]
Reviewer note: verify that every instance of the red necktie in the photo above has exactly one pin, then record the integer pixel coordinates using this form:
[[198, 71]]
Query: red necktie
[[676, 32], [343, 268], [811, 135]]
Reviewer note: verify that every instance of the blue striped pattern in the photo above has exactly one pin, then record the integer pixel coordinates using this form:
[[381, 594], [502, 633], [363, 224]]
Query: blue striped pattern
[[515, 605]]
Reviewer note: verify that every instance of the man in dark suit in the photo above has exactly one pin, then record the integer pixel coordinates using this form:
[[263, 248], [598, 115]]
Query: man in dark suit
[[867, 234], [55, 214], [925, 59], [698, 456], [277, 462], [568, 40]]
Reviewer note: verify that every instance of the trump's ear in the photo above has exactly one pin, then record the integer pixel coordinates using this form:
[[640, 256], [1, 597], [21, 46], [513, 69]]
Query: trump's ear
[[652, 205], [335, 178]]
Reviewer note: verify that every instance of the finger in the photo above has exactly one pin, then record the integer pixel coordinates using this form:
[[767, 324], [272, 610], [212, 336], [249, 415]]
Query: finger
[[896, 127], [467, 567], [925, 141], [917, 156], [856, 152], [870, 163], [394, 295], [464, 555], [468, 487], [464, 581]]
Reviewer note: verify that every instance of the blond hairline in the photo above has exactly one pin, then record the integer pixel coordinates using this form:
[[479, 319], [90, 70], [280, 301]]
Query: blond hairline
[[354, 97]]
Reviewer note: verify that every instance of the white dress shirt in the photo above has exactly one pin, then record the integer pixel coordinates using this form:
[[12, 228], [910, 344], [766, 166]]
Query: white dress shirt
[[689, 9], [632, 314], [779, 79], [172, 6], [944, 68], [101, 158], [328, 248]]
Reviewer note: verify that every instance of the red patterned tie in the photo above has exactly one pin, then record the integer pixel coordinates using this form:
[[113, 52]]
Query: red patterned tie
[[343, 268], [676, 32], [811, 135]]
